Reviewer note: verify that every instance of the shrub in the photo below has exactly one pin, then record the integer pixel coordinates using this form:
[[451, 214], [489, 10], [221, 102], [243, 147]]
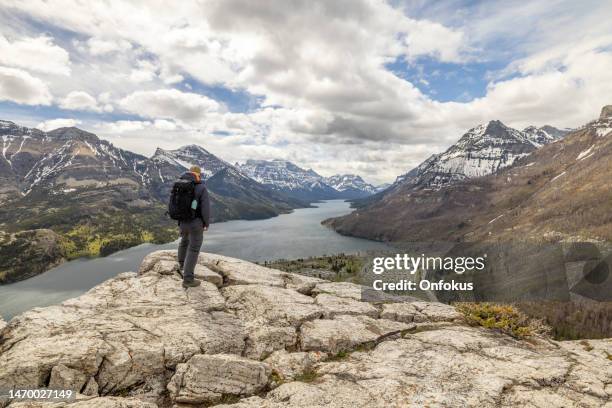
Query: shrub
[[504, 318], [309, 375]]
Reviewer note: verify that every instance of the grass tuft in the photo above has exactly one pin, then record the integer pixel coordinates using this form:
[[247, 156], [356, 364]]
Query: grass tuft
[[504, 318], [309, 375]]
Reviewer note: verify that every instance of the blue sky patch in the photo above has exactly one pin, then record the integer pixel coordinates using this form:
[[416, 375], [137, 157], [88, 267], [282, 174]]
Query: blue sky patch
[[236, 100], [445, 82]]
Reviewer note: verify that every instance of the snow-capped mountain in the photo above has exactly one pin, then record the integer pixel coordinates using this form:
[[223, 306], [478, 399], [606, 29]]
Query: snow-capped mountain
[[350, 185], [186, 156], [544, 135], [83, 170], [284, 176], [66, 159], [482, 150], [234, 194], [382, 187], [533, 199]]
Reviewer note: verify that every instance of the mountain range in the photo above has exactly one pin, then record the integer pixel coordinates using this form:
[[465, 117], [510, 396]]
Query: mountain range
[[499, 183], [79, 195], [482, 150], [286, 177]]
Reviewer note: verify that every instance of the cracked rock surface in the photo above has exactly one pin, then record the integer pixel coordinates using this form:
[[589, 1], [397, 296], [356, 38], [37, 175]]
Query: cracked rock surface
[[251, 336]]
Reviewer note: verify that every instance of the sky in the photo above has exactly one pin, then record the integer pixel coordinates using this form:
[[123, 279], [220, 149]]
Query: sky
[[341, 86]]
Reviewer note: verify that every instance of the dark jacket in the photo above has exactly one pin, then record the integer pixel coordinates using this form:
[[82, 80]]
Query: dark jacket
[[201, 194]]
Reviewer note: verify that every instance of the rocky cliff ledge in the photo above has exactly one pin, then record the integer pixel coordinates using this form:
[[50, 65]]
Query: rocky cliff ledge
[[257, 337]]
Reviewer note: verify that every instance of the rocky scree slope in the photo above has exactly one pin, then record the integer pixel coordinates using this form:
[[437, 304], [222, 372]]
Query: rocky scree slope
[[259, 337]]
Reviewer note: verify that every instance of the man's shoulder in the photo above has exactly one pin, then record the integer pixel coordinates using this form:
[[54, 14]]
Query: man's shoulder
[[201, 187]]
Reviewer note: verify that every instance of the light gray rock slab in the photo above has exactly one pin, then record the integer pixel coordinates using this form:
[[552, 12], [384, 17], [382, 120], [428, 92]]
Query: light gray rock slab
[[269, 305], [340, 289], [143, 336], [124, 331], [239, 272], [206, 378], [334, 305], [420, 312], [347, 332]]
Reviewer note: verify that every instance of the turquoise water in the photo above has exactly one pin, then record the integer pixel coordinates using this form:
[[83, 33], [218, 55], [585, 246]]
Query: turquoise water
[[288, 236]]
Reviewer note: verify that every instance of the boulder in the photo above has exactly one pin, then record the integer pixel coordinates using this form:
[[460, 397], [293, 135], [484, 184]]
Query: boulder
[[206, 379], [262, 341], [151, 259], [301, 283], [205, 274], [291, 365], [66, 378], [239, 272], [2, 324]]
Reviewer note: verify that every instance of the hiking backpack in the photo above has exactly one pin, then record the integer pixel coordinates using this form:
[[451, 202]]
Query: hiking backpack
[[181, 199]]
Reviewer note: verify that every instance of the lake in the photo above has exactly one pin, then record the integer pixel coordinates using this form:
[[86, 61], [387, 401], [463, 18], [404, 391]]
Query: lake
[[288, 236]]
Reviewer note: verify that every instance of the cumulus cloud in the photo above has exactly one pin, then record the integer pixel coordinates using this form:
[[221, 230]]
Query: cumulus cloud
[[319, 71], [80, 100], [99, 46], [170, 104], [19, 86], [145, 71], [38, 54], [52, 124], [122, 126]]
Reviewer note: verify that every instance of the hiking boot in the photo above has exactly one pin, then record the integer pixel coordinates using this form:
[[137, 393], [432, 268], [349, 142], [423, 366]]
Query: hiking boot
[[191, 284]]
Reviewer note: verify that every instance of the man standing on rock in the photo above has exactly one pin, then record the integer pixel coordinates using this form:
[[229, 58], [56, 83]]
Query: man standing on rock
[[192, 229]]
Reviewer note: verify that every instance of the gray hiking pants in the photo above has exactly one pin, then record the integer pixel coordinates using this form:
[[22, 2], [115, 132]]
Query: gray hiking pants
[[192, 234]]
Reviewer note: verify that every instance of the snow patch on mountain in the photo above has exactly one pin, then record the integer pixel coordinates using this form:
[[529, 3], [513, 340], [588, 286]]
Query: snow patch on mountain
[[190, 155], [585, 153], [346, 182], [482, 150], [284, 176]]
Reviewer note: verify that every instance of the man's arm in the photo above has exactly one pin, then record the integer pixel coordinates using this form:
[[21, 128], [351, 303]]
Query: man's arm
[[205, 207]]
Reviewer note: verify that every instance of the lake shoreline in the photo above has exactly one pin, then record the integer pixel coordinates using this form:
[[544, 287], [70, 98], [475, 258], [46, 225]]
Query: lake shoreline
[[289, 236], [54, 263]]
